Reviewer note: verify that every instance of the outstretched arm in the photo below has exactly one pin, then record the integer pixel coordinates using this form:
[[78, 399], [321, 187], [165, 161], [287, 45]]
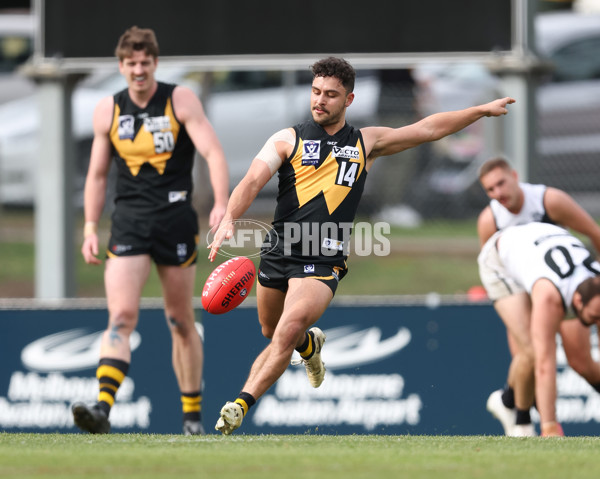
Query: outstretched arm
[[265, 164], [241, 198], [382, 141]]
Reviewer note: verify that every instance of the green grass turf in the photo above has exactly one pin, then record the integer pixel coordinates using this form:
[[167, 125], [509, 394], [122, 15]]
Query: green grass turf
[[281, 456], [422, 260]]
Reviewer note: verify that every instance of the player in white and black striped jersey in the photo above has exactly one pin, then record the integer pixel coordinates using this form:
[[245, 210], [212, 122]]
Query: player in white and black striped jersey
[[513, 203]]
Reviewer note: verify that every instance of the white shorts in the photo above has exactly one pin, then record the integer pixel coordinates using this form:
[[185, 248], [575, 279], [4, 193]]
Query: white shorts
[[493, 275]]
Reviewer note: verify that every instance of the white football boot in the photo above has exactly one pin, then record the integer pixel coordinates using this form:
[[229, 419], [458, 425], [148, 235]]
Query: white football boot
[[231, 418], [523, 430], [315, 368], [506, 416]]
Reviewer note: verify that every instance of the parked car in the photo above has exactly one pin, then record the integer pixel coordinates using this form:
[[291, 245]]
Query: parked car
[[245, 108], [568, 118]]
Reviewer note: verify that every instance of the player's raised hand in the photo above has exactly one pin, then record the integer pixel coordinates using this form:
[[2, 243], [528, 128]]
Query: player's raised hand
[[498, 107]]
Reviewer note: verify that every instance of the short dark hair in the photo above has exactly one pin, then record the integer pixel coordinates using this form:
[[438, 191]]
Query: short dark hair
[[337, 68], [137, 39], [492, 164], [589, 289]]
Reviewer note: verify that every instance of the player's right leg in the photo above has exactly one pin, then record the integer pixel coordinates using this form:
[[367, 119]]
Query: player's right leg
[[515, 312], [124, 279], [305, 302]]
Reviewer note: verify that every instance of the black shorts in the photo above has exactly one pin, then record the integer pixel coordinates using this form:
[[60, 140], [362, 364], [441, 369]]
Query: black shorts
[[169, 238], [274, 272]]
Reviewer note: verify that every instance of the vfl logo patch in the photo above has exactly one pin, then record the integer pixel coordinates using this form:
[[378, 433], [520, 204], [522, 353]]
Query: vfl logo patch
[[311, 152], [346, 152], [309, 268], [126, 128]]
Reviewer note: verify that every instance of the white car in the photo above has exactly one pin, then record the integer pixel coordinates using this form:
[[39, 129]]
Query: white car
[[568, 116], [245, 108]]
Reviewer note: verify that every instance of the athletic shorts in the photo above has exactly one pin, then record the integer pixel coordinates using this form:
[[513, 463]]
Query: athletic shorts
[[170, 239], [493, 275], [275, 272]]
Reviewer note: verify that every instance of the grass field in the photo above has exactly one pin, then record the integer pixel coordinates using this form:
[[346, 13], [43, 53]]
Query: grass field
[[438, 257], [274, 457]]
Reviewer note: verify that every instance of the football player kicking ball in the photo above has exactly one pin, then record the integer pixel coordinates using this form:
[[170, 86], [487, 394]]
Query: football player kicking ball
[[322, 165]]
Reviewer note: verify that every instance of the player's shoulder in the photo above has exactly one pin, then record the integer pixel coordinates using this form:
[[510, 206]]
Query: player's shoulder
[[533, 187], [186, 103], [104, 110]]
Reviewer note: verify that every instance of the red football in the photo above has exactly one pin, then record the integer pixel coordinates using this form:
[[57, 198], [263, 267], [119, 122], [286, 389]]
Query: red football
[[228, 285]]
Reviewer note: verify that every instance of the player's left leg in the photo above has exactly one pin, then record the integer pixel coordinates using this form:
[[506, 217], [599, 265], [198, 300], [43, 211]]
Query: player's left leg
[[515, 311], [178, 289], [124, 279]]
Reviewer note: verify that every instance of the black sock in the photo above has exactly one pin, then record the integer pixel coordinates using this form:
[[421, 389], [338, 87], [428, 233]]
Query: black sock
[[508, 397], [523, 416], [245, 400], [308, 346]]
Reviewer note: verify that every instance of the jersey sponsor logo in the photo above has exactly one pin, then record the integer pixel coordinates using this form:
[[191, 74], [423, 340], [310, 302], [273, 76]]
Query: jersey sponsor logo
[[126, 128], [175, 196], [309, 268], [311, 152], [346, 152], [333, 244], [157, 123]]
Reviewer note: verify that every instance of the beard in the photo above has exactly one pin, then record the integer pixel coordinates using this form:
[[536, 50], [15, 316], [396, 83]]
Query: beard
[[328, 118]]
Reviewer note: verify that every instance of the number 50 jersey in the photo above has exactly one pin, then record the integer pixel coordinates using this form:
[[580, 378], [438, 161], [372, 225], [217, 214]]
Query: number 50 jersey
[[153, 152]]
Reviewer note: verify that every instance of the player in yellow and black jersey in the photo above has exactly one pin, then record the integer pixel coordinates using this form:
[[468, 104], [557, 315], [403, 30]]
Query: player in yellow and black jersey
[[322, 166], [152, 130], [154, 154]]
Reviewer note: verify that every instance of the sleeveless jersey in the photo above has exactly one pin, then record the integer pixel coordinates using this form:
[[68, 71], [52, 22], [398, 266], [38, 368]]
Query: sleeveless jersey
[[540, 250], [533, 209], [153, 152], [320, 186]]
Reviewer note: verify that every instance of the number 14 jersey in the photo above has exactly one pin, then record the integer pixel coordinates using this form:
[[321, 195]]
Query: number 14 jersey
[[320, 186]]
